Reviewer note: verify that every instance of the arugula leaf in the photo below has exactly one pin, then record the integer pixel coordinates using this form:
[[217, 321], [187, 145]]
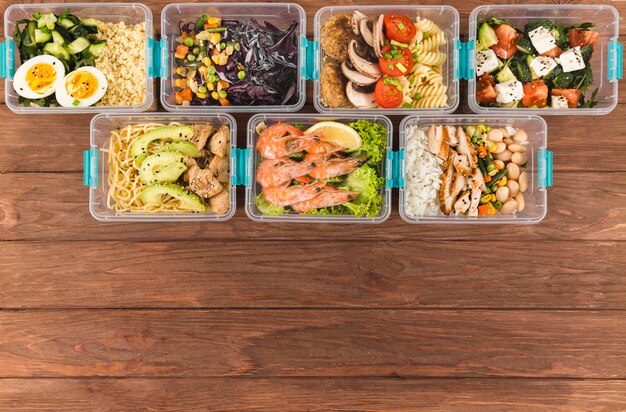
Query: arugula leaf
[[586, 25], [492, 21], [593, 100]]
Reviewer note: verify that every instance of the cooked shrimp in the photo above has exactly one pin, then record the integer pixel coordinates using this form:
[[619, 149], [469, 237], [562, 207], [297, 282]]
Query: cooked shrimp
[[285, 196], [276, 172], [325, 147], [281, 139], [329, 196], [336, 167]]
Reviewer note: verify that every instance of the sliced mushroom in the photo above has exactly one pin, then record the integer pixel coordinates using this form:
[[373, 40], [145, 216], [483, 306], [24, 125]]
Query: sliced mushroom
[[357, 17], [363, 66], [378, 36], [366, 31], [360, 99], [357, 77]]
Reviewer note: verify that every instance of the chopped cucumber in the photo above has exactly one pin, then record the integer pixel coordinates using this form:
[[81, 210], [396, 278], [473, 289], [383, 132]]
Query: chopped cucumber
[[46, 20], [68, 20], [89, 22], [586, 51], [563, 80], [31, 27], [525, 46], [96, 47], [555, 72], [522, 71], [533, 75], [56, 50], [42, 36], [57, 38], [486, 36], [78, 45], [505, 75], [77, 32]]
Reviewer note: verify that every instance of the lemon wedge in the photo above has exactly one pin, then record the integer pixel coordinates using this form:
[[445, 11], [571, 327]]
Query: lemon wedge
[[337, 133]]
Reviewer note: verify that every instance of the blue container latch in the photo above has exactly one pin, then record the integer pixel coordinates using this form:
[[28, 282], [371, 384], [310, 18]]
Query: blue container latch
[[90, 167], [7, 59], [241, 176], [393, 174], [309, 66], [158, 51], [544, 168], [464, 69], [615, 65]]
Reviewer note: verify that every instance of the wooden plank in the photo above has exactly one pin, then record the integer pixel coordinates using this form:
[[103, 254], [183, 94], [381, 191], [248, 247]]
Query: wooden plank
[[339, 343], [588, 206], [461, 395], [411, 274]]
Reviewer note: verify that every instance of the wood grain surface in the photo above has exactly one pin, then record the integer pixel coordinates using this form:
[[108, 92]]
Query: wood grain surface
[[269, 317]]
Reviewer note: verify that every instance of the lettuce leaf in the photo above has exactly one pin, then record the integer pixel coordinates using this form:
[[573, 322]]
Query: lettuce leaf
[[268, 208], [374, 136]]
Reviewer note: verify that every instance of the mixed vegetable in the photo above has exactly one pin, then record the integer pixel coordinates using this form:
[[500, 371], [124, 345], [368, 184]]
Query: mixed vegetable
[[71, 42], [328, 169], [228, 62], [545, 65]]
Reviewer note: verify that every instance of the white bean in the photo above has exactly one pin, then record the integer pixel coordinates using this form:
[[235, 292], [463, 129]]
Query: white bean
[[495, 135], [513, 188], [512, 171], [500, 147], [505, 156], [521, 203], [499, 164], [523, 182], [520, 136], [516, 147], [502, 194], [508, 141], [509, 207], [519, 158]]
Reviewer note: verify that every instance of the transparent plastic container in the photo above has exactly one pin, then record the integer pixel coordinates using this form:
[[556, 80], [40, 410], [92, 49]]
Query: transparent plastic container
[[607, 56], [96, 168], [307, 120], [278, 14], [539, 167], [129, 13], [446, 17]]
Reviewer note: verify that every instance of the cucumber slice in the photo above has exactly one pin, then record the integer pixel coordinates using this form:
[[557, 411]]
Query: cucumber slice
[[46, 20], [525, 46], [89, 22], [96, 47], [78, 45], [505, 75], [42, 36], [56, 50], [486, 36], [57, 38]]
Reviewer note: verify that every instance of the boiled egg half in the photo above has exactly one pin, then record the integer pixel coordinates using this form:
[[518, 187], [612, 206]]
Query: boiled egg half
[[39, 77], [82, 87]]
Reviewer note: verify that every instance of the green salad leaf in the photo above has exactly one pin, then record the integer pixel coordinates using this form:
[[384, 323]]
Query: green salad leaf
[[374, 136], [268, 208]]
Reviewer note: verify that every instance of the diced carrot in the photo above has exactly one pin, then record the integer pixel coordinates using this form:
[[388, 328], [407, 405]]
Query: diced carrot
[[179, 98], [211, 25], [487, 179], [184, 35], [483, 209], [224, 102], [224, 84], [182, 50], [482, 151], [187, 94]]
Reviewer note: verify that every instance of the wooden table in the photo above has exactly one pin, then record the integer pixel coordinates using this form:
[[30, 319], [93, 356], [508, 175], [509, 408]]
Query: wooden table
[[303, 317]]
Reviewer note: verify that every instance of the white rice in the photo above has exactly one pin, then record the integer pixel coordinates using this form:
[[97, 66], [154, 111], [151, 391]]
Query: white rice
[[423, 173]]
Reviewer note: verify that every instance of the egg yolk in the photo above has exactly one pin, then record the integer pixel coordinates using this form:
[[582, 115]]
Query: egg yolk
[[81, 84], [41, 77]]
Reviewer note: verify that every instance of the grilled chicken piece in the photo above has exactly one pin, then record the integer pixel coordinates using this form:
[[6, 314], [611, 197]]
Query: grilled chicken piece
[[201, 133], [462, 204], [220, 203], [474, 202], [461, 164], [219, 166], [438, 142], [466, 148], [478, 181], [446, 200], [203, 182], [453, 140], [460, 183], [220, 141]]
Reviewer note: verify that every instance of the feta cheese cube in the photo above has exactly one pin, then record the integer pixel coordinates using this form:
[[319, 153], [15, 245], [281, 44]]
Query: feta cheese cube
[[559, 102], [542, 39], [542, 65], [571, 60], [486, 62], [510, 91]]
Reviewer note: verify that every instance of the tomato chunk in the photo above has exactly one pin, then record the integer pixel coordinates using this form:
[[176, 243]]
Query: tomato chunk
[[507, 39], [535, 94], [387, 94], [399, 28], [582, 37], [572, 96], [554, 52], [397, 64], [485, 89]]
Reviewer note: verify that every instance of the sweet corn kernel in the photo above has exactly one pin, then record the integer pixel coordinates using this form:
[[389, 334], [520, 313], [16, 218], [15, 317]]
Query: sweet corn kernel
[[491, 211], [207, 61], [493, 173], [492, 197], [216, 58], [492, 147], [223, 59], [201, 95], [178, 70], [502, 182], [210, 86], [215, 95], [498, 166], [215, 38]]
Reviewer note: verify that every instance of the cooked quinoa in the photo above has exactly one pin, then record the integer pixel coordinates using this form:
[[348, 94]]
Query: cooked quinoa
[[123, 63]]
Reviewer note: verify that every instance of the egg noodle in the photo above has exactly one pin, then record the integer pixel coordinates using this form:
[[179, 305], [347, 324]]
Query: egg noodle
[[125, 186]]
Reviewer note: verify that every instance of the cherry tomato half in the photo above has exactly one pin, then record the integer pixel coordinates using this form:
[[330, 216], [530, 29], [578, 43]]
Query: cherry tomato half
[[387, 95], [395, 67], [399, 28]]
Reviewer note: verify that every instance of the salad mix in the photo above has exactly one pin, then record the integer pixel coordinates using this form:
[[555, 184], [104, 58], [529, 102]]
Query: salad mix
[[231, 62], [330, 168], [543, 65]]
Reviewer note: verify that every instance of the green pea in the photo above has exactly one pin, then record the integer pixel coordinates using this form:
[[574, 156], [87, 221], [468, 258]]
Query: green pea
[[491, 167], [191, 57], [202, 89], [241, 75], [188, 41], [222, 94]]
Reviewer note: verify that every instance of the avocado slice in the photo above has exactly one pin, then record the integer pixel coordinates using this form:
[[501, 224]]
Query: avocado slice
[[163, 167], [188, 201], [486, 36], [183, 146], [139, 148]]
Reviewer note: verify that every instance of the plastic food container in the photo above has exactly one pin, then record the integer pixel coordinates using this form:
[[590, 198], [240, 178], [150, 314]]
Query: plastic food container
[[446, 17], [539, 167], [253, 159], [607, 55], [130, 13], [278, 14], [96, 167]]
